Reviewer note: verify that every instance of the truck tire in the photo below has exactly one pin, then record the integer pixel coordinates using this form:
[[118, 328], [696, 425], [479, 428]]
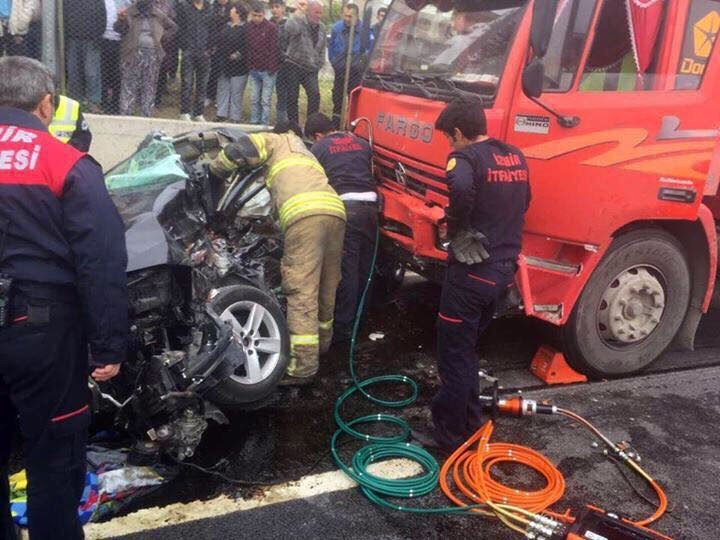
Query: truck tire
[[632, 306], [261, 329]]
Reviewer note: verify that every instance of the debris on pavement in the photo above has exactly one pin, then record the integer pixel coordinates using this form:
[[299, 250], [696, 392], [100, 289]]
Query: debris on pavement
[[110, 485], [89, 501]]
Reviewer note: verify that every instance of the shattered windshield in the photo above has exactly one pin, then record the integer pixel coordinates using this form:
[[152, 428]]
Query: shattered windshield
[[460, 44], [136, 183]]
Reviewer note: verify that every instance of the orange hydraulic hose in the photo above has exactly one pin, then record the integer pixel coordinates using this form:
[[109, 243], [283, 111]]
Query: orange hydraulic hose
[[471, 466], [662, 498], [471, 474]]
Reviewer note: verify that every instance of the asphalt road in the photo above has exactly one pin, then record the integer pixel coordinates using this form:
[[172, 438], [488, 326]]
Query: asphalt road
[[669, 415]]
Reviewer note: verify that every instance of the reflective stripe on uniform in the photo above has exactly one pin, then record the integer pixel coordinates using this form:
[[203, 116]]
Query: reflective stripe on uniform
[[318, 201], [291, 162], [326, 325], [65, 119], [298, 340], [259, 142], [225, 162]]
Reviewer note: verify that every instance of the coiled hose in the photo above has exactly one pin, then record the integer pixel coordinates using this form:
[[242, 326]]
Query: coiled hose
[[469, 466], [382, 448]]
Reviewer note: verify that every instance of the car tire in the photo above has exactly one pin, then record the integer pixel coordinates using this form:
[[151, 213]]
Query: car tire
[[632, 306], [260, 327]]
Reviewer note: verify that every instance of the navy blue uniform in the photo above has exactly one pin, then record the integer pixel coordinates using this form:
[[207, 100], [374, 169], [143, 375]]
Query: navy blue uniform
[[489, 193], [346, 160], [62, 242]]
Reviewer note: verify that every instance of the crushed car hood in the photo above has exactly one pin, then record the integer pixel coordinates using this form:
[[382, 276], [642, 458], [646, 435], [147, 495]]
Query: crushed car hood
[[166, 198]]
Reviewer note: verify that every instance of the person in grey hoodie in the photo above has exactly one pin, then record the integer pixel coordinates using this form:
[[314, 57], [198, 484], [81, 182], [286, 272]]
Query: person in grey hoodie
[[304, 44], [23, 27]]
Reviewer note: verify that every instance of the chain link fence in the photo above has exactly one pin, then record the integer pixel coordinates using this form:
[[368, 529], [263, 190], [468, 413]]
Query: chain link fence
[[240, 61]]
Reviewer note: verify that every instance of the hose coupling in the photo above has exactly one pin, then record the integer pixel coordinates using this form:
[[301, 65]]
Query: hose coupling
[[540, 529], [517, 406]]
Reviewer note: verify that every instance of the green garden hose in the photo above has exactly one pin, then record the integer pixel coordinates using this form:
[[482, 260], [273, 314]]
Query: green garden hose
[[380, 448]]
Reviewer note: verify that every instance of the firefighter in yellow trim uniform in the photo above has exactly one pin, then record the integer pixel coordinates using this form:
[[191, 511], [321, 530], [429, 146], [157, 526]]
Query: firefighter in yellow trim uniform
[[312, 218]]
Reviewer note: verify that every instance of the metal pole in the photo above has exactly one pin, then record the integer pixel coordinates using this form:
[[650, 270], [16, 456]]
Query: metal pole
[[61, 46], [348, 60], [49, 50]]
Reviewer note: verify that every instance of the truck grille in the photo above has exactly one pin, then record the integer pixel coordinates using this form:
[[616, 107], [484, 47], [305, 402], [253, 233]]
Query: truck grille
[[387, 174], [386, 169]]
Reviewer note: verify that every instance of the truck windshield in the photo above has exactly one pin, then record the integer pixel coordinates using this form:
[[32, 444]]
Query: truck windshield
[[444, 47]]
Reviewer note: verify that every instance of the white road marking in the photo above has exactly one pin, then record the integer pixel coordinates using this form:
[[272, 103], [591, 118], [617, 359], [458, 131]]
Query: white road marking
[[308, 486]]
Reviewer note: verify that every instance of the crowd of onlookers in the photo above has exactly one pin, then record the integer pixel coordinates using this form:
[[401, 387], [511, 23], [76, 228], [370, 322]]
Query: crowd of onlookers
[[121, 54]]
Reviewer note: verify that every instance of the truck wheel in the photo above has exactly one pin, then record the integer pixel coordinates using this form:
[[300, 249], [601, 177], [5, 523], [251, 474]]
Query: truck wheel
[[259, 326], [632, 307]]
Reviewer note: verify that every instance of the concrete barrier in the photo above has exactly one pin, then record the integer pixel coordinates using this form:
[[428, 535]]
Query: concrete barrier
[[116, 137]]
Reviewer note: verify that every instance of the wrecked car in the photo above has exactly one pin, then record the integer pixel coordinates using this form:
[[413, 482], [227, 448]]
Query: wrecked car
[[208, 331]]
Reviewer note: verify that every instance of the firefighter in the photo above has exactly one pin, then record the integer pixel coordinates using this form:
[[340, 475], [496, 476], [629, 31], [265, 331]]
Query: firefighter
[[69, 125], [346, 159], [312, 218], [489, 195], [62, 288]]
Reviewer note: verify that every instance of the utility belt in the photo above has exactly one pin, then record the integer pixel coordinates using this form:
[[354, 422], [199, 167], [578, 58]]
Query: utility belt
[[30, 301]]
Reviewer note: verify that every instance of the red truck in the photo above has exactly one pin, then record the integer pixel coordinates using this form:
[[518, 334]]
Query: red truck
[[614, 103]]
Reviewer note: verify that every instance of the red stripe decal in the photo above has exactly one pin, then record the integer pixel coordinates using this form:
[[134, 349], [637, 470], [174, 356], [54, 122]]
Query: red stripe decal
[[449, 319], [481, 279], [70, 414], [20, 319]]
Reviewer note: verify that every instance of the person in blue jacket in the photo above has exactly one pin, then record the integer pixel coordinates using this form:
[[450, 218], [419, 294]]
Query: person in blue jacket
[[337, 54], [489, 193], [63, 300]]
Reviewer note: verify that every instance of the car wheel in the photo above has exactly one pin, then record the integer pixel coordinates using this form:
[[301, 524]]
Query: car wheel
[[260, 328], [632, 306]]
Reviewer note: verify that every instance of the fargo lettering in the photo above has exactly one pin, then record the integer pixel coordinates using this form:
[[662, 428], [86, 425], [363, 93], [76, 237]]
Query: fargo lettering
[[398, 125]]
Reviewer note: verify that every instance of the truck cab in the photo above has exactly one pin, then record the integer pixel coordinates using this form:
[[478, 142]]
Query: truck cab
[[614, 104]]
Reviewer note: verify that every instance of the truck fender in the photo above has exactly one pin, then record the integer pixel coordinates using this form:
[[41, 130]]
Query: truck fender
[[702, 252]]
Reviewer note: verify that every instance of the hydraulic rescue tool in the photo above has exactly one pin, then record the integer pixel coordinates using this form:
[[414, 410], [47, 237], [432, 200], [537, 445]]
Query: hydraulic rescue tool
[[465, 478]]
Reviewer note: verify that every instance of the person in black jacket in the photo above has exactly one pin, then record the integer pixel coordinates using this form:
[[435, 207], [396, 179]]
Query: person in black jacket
[[233, 75], [85, 23], [489, 195], [278, 9], [346, 159], [220, 14], [62, 287], [194, 20]]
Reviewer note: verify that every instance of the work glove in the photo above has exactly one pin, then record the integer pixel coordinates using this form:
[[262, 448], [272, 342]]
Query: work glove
[[470, 247]]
